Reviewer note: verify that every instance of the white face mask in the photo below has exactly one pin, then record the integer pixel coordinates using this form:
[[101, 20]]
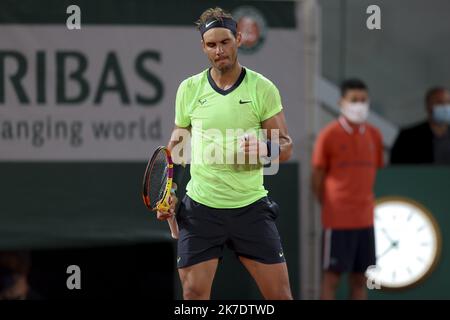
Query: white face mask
[[441, 113], [356, 112]]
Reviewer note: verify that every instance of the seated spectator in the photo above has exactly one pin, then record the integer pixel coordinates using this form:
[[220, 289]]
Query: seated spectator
[[427, 142]]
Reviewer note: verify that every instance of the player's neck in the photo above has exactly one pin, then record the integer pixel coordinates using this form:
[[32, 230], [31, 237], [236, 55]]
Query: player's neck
[[227, 78]]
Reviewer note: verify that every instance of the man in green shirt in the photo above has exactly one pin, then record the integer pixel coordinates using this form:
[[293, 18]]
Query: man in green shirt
[[226, 108]]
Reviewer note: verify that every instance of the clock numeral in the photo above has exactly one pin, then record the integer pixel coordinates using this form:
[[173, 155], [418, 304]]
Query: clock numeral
[[421, 228], [410, 216]]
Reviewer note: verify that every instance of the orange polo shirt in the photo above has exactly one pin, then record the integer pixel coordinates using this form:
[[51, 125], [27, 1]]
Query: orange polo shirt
[[350, 155]]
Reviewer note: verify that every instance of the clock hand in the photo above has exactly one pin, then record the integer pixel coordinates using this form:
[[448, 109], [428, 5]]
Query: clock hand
[[394, 244], [387, 235], [387, 250]]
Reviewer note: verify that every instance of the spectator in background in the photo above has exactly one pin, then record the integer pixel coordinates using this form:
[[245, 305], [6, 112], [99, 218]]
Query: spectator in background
[[346, 156], [429, 141], [14, 269]]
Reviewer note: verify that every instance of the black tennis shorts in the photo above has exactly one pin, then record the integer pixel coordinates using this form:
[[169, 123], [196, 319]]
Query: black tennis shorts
[[249, 231], [348, 250]]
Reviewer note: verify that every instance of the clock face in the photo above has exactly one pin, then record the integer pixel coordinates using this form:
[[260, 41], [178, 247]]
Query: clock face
[[407, 242]]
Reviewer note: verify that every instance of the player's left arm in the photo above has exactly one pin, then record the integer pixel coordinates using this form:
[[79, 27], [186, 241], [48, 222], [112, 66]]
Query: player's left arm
[[276, 129], [278, 122]]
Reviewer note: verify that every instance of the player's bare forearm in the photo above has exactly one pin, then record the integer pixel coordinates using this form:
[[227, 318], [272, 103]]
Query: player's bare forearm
[[177, 144], [178, 135], [285, 148], [278, 122]]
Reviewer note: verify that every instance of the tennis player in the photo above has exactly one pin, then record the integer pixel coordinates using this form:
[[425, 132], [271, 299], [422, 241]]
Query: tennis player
[[227, 204]]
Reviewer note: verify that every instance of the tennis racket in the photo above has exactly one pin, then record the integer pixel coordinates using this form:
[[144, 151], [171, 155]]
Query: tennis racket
[[157, 185]]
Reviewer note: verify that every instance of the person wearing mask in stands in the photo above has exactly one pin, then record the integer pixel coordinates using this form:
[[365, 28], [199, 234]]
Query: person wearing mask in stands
[[427, 142]]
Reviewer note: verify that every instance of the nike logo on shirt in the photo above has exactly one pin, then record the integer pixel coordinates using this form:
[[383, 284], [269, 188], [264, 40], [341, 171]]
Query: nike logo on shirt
[[244, 101]]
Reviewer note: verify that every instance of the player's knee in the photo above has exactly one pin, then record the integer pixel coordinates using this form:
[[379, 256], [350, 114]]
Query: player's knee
[[192, 292], [285, 295], [281, 293]]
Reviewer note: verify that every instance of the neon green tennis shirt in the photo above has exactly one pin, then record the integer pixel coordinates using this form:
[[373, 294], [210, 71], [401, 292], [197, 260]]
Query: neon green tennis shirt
[[219, 119]]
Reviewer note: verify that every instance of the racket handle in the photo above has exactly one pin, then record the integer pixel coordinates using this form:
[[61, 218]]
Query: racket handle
[[173, 225]]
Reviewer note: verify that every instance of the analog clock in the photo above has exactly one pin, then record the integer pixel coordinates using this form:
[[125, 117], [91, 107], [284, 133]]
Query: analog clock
[[408, 243]]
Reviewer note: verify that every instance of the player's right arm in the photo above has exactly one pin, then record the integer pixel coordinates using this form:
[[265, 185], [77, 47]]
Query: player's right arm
[[178, 139], [179, 136], [176, 145]]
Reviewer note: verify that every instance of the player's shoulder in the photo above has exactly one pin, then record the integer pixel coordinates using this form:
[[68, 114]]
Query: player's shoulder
[[194, 80], [258, 79]]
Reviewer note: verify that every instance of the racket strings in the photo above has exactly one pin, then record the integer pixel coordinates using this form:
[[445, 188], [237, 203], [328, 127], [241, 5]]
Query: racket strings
[[158, 178]]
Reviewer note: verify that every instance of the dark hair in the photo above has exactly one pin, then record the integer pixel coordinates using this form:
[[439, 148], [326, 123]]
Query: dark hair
[[212, 13], [431, 92], [350, 84]]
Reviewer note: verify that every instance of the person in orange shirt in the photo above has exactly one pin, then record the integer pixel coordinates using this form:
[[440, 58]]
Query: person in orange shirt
[[345, 159]]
